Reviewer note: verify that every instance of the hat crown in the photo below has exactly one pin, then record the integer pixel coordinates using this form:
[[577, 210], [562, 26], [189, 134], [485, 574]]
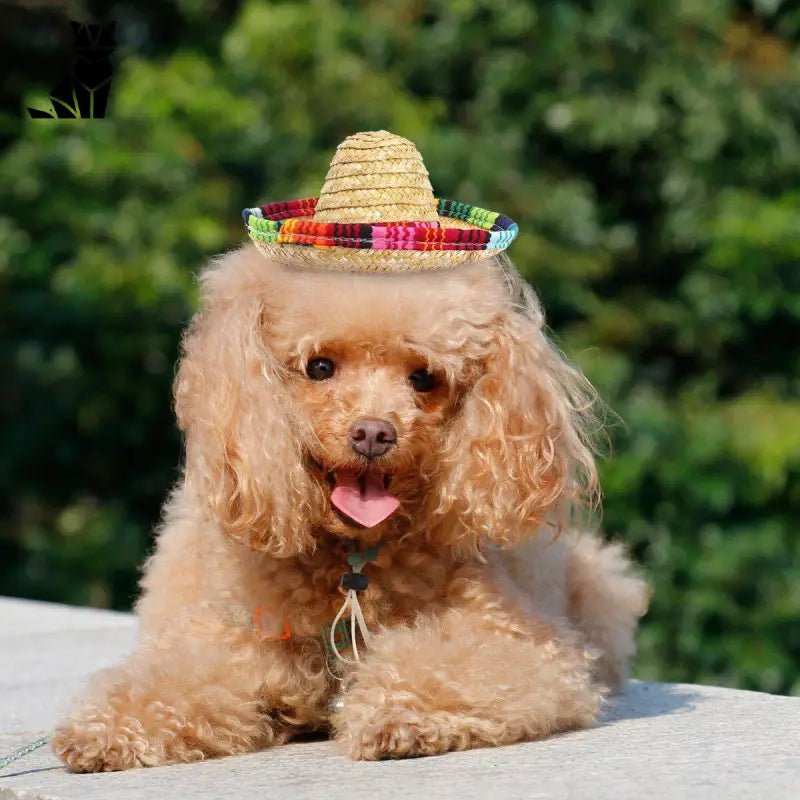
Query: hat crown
[[376, 176]]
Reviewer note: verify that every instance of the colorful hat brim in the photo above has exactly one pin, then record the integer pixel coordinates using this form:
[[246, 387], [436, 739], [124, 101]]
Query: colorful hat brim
[[464, 233]]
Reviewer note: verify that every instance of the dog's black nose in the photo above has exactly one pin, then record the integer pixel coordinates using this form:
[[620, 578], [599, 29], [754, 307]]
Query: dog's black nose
[[372, 437]]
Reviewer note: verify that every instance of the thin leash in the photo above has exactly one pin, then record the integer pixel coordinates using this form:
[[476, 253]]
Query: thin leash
[[352, 583], [23, 751]]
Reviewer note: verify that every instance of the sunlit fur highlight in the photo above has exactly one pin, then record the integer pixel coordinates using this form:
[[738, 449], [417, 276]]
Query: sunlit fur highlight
[[496, 617], [522, 448]]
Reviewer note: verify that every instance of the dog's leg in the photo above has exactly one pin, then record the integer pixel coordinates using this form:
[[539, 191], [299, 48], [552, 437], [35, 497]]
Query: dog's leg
[[187, 698], [606, 600], [481, 673]]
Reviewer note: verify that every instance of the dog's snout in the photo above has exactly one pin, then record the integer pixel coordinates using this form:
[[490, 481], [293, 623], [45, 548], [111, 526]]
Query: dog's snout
[[372, 437]]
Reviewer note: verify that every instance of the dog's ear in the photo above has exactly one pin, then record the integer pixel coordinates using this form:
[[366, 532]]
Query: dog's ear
[[243, 455], [518, 448]]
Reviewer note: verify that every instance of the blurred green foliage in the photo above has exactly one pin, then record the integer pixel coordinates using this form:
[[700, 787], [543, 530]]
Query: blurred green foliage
[[650, 153]]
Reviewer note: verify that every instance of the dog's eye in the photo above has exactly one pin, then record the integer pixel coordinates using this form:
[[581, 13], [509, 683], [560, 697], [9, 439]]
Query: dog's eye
[[320, 369], [422, 380]]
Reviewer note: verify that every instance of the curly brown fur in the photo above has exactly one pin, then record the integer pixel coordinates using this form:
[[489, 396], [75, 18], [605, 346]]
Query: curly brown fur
[[495, 620]]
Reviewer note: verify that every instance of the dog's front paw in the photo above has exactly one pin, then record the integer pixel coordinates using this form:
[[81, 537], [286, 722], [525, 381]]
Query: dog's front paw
[[101, 741], [370, 734], [96, 745], [371, 727]]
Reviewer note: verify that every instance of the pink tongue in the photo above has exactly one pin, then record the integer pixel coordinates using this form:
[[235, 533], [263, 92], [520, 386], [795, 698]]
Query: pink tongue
[[368, 507]]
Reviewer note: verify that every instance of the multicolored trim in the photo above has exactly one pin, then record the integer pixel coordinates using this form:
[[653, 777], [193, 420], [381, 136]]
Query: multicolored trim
[[281, 223]]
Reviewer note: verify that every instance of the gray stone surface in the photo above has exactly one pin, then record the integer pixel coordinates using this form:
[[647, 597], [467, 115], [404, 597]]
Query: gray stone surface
[[655, 741], [46, 653]]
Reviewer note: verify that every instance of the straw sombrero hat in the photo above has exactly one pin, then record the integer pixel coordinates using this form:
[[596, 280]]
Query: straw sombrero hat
[[376, 212]]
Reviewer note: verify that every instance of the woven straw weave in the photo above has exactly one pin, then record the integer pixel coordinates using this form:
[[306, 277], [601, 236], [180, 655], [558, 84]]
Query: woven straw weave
[[369, 197], [377, 177]]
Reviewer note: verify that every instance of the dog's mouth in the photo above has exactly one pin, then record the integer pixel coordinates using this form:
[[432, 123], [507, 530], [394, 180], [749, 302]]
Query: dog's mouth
[[362, 495]]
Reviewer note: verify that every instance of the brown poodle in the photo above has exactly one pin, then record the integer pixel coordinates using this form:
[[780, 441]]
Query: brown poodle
[[429, 406]]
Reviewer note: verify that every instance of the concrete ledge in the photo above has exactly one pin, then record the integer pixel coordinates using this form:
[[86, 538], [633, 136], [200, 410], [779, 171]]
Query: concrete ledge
[[656, 740]]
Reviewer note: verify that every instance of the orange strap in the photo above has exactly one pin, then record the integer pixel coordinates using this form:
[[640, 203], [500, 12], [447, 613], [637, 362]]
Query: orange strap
[[264, 637]]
